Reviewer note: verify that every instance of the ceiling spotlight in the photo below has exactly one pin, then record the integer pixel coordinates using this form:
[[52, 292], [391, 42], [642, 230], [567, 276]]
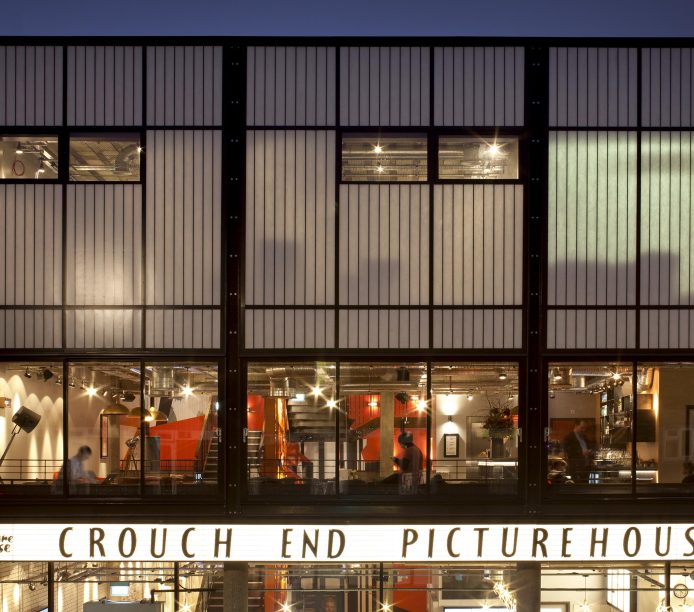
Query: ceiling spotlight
[[380, 169], [59, 380], [18, 150], [187, 390], [510, 396], [72, 383], [315, 391], [105, 393], [128, 396], [27, 374], [331, 403], [91, 391], [46, 374], [469, 397], [502, 376], [5, 402], [285, 607], [556, 374], [386, 607], [493, 149], [373, 402], [421, 405], [139, 149], [41, 170], [32, 586], [378, 149], [616, 376]]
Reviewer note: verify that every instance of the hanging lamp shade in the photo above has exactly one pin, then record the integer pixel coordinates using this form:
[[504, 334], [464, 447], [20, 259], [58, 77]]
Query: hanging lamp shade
[[152, 414], [116, 409]]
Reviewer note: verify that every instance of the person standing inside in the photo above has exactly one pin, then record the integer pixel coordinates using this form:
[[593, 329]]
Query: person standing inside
[[579, 452]]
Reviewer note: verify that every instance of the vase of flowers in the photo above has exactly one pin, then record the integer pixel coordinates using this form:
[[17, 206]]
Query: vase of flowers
[[499, 425]]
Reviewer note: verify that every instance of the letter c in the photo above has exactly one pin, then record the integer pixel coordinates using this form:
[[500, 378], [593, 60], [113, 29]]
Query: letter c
[[61, 542], [184, 543]]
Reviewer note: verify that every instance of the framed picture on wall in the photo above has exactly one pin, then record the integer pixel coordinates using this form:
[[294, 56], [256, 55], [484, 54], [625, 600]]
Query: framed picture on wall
[[451, 446], [103, 436]]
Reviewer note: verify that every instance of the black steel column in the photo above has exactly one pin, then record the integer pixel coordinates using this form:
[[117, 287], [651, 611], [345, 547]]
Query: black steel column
[[535, 203], [235, 587], [527, 586], [233, 206], [50, 585]]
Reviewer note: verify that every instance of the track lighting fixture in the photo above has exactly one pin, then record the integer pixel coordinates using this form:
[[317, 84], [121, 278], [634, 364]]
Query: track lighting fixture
[[27, 373], [46, 374], [502, 375]]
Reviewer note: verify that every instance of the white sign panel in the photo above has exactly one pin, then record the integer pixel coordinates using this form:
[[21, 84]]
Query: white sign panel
[[340, 543]]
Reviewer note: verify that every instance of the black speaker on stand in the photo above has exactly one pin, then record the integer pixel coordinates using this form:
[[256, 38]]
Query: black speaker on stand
[[24, 420]]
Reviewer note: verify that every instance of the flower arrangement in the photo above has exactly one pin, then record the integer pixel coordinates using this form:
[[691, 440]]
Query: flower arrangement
[[499, 421]]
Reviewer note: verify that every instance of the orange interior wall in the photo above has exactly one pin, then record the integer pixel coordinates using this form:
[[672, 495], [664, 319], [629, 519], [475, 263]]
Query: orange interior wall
[[255, 408], [410, 600], [179, 440], [372, 450]]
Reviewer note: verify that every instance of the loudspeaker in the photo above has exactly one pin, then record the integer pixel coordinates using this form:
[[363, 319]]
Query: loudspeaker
[[26, 419]]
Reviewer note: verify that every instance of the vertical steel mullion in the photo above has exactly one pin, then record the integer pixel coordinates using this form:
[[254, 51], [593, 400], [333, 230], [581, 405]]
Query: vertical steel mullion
[[63, 178], [432, 175], [65, 430], [143, 205], [639, 122], [634, 424], [144, 433], [338, 432], [428, 415]]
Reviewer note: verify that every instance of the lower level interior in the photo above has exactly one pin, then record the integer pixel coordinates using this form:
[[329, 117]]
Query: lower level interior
[[354, 587]]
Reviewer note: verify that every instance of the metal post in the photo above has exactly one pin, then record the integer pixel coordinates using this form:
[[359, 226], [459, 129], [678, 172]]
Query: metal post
[[236, 587], [50, 585], [526, 586]]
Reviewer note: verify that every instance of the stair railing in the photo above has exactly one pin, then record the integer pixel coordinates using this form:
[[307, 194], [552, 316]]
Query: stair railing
[[209, 429]]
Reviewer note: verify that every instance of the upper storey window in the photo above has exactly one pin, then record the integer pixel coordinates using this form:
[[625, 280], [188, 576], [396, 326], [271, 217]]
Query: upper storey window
[[29, 157], [395, 158], [478, 157], [105, 157]]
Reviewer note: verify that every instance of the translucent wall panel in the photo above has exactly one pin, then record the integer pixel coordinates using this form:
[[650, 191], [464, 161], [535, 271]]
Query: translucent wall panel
[[103, 329], [478, 244], [31, 245], [183, 329], [591, 220], [475, 328], [290, 328], [591, 328], [667, 88], [31, 86], [370, 329], [667, 329], [104, 85], [30, 329], [384, 245], [293, 86], [104, 245], [667, 222], [290, 217], [183, 217], [593, 87], [477, 86], [184, 86], [384, 86]]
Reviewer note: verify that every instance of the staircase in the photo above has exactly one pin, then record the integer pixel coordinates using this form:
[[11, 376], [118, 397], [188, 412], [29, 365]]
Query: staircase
[[211, 468], [253, 450], [310, 421], [215, 600]]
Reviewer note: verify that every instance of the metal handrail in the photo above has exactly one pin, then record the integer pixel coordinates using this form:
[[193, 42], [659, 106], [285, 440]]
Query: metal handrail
[[30, 470]]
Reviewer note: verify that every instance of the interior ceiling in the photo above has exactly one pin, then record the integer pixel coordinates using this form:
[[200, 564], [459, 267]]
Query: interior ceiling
[[366, 157], [99, 159], [42, 150]]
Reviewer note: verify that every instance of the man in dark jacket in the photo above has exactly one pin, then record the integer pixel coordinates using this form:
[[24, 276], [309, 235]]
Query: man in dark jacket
[[579, 451]]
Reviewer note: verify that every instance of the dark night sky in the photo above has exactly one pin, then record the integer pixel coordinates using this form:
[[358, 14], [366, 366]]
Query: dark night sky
[[350, 17]]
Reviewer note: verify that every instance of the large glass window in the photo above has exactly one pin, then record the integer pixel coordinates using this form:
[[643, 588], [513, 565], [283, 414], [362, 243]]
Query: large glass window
[[384, 158], [29, 157], [291, 412], [181, 429], [112, 157], [589, 443], [384, 430], [31, 427], [475, 427], [478, 157]]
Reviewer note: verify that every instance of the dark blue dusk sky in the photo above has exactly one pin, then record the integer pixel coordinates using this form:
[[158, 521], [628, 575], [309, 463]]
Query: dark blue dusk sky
[[350, 17]]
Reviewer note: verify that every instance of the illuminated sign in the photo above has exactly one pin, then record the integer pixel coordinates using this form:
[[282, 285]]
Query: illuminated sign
[[339, 543]]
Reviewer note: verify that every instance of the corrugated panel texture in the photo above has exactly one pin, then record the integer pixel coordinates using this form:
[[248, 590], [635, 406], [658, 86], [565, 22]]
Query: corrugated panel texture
[[592, 218], [291, 86], [384, 86], [593, 87], [30, 329], [290, 217], [104, 85], [183, 329], [31, 86], [667, 222], [30, 227], [104, 245], [475, 328], [591, 329], [184, 217], [384, 245], [478, 244], [103, 329], [477, 86], [290, 328], [184, 86], [667, 329], [667, 88], [384, 328]]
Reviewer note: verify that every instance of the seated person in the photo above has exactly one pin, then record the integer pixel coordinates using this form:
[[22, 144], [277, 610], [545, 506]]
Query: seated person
[[77, 474], [688, 471]]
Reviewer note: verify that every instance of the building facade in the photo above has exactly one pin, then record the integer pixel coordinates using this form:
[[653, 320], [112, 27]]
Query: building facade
[[346, 325]]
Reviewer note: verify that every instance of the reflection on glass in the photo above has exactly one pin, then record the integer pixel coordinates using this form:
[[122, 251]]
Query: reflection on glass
[[664, 425], [29, 157], [384, 431], [475, 427], [291, 411], [31, 427], [378, 158], [478, 157], [590, 419], [111, 157], [181, 428], [103, 437]]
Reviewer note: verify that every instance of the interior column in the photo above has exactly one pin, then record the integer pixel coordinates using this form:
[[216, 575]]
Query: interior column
[[526, 586], [236, 587], [386, 423]]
